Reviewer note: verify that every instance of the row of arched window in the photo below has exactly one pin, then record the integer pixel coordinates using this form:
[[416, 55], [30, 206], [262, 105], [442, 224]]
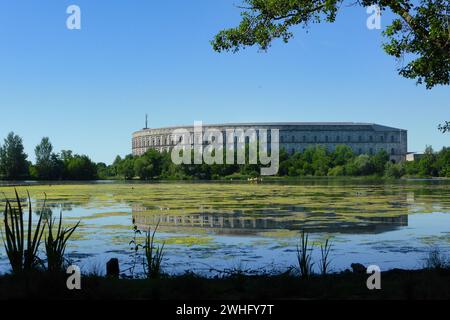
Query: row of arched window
[[337, 139], [370, 151]]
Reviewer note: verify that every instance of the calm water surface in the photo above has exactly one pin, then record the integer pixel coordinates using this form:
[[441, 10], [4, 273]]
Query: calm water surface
[[215, 226]]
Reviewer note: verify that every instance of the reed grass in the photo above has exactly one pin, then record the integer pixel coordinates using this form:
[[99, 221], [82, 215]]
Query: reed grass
[[55, 244], [436, 260], [22, 245], [305, 263], [153, 255], [325, 262]]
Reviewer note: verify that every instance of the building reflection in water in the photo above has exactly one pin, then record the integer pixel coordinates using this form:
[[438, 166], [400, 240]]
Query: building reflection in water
[[246, 224]]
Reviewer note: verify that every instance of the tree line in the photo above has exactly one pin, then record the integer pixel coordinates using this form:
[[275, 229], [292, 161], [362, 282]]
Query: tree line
[[48, 165], [313, 161]]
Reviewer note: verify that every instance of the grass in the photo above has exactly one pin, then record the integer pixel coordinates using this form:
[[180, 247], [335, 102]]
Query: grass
[[304, 259], [21, 245], [22, 240], [153, 255], [325, 262], [436, 260], [55, 244]]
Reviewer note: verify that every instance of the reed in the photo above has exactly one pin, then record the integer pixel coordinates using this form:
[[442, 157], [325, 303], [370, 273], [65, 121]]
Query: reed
[[325, 250], [305, 263], [22, 245], [55, 244], [153, 255]]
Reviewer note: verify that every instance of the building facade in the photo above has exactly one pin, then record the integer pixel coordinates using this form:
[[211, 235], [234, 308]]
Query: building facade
[[363, 138]]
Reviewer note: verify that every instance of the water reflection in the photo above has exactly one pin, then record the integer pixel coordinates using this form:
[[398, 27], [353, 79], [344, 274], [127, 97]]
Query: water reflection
[[240, 223]]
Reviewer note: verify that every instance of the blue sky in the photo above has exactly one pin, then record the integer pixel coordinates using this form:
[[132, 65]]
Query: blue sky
[[89, 89]]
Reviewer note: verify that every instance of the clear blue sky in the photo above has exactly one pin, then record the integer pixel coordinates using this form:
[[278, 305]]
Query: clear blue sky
[[89, 89]]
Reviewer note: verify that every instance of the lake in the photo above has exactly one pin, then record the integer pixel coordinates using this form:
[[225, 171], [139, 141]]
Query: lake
[[209, 227]]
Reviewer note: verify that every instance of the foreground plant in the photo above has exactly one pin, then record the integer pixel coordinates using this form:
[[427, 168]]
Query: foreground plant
[[436, 260], [305, 263], [153, 255], [22, 256], [55, 244], [325, 250]]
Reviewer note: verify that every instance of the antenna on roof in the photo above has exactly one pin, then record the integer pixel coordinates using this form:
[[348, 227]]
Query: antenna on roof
[[146, 121]]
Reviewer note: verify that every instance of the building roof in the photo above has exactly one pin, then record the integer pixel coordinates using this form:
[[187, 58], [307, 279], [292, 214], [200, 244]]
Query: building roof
[[331, 125]]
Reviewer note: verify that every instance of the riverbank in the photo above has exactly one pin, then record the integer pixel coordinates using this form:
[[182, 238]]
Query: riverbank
[[236, 178], [395, 284]]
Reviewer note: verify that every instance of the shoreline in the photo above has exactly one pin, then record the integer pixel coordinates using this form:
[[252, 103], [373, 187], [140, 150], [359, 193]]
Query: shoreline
[[269, 179], [397, 284]]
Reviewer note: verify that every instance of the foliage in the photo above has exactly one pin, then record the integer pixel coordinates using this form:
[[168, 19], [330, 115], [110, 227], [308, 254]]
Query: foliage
[[313, 161], [325, 262], [393, 170], [436, 260], [79, 167], [13, 160], [55, 244], [48, 164], [419, 34], [304, 257], [153, 255], [22, 257]]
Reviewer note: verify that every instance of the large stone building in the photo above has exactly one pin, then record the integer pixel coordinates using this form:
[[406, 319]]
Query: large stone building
[[363, 138]]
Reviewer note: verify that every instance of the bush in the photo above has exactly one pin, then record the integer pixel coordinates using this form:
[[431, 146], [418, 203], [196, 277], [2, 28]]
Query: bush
[[336, 171], [393, 170]]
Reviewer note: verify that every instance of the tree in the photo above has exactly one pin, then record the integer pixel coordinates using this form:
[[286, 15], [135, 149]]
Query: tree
[[320, 161], [443, 162], [360, 166], [47, 163], [393, 170], [419, 35], [13, 160], [342, 154], [80, 167], [126, 167], [104, 171], [143, 168], [379, 162], [427, 164]]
